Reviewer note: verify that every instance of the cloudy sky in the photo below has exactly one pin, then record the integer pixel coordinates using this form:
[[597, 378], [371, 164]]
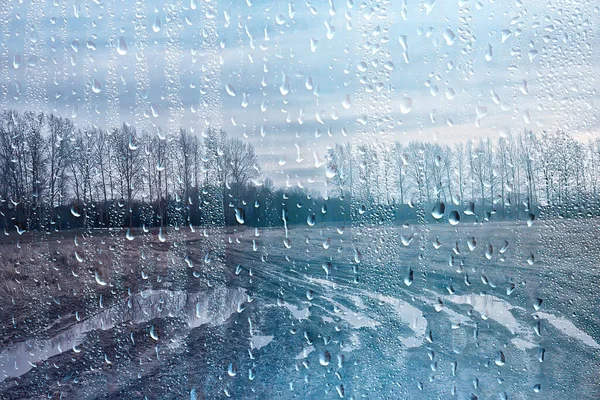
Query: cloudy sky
[[295, 78]]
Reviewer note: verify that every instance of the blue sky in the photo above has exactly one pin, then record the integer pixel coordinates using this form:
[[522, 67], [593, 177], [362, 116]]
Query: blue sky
[[58, 57]]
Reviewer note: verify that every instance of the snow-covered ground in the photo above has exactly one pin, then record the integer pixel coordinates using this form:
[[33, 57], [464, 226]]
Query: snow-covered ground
[[334, 312]]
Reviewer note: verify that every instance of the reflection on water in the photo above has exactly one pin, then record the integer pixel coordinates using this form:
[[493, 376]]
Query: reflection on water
[[197, 309]]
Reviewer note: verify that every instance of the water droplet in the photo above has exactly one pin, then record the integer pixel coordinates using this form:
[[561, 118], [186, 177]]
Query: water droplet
[[122, 46], [541, 354], [153, 333], [472, 243], [230, 89], [325, 358], [96, 86], [347, 103], [311, 220], [156, 25], [500, 360], [510, 289], [239, 216], [161, 235], [489, 251], [231, 370], [284, 89], [488, 53], [330, 29], [438, 210], [530, 220], [405, 105], [481, 111], [454, 217], [99, 280], [408, 279], [449, 37], [470, 209], [523, 87], [405, 240], [532, 54]]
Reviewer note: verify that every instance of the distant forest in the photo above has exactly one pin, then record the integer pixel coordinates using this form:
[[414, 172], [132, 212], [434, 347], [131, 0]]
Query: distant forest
[[56, 176], [515, 177]]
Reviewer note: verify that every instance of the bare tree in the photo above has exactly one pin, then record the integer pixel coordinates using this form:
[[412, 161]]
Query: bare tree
[[60, 150], [37, 154], [103, 151], [128, 164], [340, 165], [241, 165], [401, 163]]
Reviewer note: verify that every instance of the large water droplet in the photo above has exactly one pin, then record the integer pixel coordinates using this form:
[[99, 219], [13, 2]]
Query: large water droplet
[[438, 210], [96, 86], [325, 358], [454, 217], [153, 333], [122, 48], [500, 360], [240, 216], [489, 53], [347, 103], [280, 19], [230, 89], [405, 105], [408, 279], [449, 37], [156, 26]]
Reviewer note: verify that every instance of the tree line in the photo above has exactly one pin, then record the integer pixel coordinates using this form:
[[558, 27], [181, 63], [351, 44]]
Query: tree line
[[518, 174], [58, 176]]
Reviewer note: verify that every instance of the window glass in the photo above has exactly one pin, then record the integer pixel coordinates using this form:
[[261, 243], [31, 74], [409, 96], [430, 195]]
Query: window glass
[[309, 199]]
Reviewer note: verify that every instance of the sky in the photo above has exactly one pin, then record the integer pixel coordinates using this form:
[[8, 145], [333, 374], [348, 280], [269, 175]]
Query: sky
[[295, 78]]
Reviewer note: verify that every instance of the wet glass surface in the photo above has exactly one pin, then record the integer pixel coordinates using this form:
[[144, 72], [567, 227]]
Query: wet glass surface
[[336, 199]]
